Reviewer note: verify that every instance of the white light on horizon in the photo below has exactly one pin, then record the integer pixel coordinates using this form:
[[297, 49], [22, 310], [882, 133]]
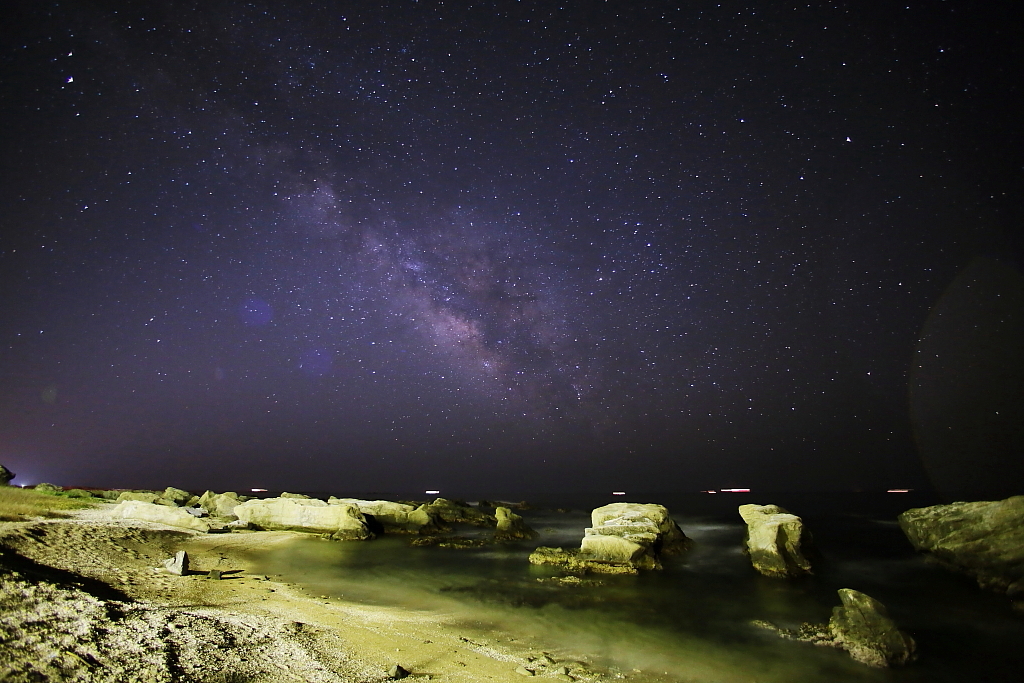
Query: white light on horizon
[[710, 491], [432, 493], [257, 490], [618, 493], [898, 490], [735, 490]]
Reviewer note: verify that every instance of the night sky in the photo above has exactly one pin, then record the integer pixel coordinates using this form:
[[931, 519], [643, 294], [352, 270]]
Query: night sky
[[498, 246]]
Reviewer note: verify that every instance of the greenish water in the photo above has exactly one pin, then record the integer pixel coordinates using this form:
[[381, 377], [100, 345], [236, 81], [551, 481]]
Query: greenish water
[[690, 622]]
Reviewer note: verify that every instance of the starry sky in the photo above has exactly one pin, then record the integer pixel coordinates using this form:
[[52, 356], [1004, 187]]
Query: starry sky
[[489, 246]]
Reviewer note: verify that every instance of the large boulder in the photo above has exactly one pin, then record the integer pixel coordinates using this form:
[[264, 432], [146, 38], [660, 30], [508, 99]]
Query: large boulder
[[5, 476], [140, 496], [219, 504], [455, 513], [163, 514], [623, 538], [173, 496], [775, 541], [340, 522], [984, 539], [394, 517], [510, 526], [862, 627]]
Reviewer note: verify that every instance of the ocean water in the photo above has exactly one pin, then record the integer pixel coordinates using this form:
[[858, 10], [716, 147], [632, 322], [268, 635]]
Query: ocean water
[[691, 621]]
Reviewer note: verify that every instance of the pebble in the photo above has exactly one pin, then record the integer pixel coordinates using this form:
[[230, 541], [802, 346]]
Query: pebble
[[523, 671]]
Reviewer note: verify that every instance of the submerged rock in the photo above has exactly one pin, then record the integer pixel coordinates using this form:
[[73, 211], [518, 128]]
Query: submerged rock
[[455, 513], [861, 626], [624, 538], [984, 539], [394, 518], [151, 512], [341, 522], [510, 526], [775, 539]]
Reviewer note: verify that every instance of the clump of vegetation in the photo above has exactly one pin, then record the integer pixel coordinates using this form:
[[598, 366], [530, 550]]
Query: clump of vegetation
[[18, 504]]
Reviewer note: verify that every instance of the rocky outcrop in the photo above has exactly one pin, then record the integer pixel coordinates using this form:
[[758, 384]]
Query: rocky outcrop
[[455, 513], [624, 538], [984, 539], [510, 526], [5, 476], [394, 518], [163, 514], [341, 522], [775, 541], [219, 504], [861, 626]]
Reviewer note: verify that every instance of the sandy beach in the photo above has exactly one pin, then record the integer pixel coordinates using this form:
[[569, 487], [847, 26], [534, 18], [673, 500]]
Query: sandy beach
[[82, 599]]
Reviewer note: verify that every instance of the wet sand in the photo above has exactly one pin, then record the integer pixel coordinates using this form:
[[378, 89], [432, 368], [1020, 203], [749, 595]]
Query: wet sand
[[82, 599]]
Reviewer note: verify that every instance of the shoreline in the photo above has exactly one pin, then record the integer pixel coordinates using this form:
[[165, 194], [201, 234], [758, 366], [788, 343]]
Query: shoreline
[[73, 584]]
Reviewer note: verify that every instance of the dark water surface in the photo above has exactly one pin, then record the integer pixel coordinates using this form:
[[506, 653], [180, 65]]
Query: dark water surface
[[691, 622]]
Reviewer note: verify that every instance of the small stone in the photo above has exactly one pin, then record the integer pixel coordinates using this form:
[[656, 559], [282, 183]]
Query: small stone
[[564, 670], [177, 565], [523, 671], [397, 671], [214, 574], [544, 660]]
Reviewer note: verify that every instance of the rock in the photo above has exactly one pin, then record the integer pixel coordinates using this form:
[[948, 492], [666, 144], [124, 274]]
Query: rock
[[238, 524], [341, 522], [300, 496], [178, 564], [141, 496], [5, 476], [47, 488], [219, 504], [523, 671], [510, 526], [394, 517], [173, 496], [397, 671], [195, 512], [632, 534], [862, 627], [984, 539], [151, 512], [455, 513], [774, 541], [624, 538], [214, 575]]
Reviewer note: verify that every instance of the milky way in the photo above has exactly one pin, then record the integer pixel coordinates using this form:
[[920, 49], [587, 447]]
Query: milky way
[[515, 244]]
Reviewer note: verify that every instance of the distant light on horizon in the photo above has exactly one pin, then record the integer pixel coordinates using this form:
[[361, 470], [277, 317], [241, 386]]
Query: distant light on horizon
[[618, 493], [735, 490], [710, 491], [257, 490], [432, 493], [898, 490]]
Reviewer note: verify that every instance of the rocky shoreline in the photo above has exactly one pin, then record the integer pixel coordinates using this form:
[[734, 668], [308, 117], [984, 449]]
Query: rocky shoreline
[[82, 599]]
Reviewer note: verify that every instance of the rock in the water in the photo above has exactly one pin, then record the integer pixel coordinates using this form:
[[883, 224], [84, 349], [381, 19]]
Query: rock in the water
[[394, 518], [219, 504], [5, 476], [775, 539], [151, 512], [397, 672], [455, 513], [178, 564], [624, 537], [341, 522], [984, 539], [510, 526], [862, 627]]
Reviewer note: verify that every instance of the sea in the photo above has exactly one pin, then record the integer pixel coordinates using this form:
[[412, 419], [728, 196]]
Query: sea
[[691, 621]]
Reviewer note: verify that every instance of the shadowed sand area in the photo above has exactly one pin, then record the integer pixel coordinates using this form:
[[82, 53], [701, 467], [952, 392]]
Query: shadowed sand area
[[81, 600]]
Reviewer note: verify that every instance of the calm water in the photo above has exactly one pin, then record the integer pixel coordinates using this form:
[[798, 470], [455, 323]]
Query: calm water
[[690, 622]]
